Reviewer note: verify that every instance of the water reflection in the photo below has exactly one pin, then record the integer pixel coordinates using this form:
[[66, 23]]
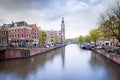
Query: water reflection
[[66, 63], [105, 69], [19, 69]]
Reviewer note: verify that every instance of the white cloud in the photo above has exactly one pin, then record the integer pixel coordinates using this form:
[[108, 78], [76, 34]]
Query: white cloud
[[94, 1], [80, 16]]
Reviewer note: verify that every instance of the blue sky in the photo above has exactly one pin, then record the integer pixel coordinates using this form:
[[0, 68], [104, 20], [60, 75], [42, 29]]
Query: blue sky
[[80, 15]]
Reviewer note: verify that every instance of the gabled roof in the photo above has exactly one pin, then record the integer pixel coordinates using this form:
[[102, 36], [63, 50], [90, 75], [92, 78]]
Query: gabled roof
[[4, 27], [32, 25], [10, 25]]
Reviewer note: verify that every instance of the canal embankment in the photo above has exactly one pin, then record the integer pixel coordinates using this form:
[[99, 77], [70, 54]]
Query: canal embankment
[[16, 53], [112, 56]]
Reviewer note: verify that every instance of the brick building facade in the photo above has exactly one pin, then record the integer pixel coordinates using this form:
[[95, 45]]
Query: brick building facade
[[3, 36], [35, 34], [22, 34], [19, 34]]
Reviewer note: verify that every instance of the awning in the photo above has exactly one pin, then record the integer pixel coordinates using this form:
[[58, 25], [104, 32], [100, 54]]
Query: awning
[[23, 40]]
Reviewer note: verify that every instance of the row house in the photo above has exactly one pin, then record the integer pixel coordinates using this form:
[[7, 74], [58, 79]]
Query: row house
[[112, 41], [19, 34], [57, 35], [35, 34], [3, 35], [48, 37], [22, 34], [53, 37]]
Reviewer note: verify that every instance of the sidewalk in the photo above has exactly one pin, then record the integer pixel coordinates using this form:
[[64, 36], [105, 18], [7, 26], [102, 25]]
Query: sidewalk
[[111, 56]]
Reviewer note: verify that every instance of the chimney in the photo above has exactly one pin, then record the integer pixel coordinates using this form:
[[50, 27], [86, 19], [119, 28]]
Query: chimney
[[12, 22]]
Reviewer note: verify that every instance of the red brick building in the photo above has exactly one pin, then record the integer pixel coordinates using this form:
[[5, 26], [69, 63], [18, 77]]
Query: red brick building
[[19, 34], [35, 34]]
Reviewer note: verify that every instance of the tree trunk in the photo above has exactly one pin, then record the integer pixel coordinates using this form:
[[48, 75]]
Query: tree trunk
[[95, 43]]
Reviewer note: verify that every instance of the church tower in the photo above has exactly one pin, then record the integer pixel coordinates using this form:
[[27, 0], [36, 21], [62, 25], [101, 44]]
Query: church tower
[[62, 29]]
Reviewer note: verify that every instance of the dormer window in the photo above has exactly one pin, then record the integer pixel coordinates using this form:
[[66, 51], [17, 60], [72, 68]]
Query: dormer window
[[15, 24]]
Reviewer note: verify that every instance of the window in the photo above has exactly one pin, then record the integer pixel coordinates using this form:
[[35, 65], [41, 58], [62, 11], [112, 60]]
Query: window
[[27, 35], [13, 36], [2, 55], [3, 33], [22, 35], [25, 53], [15, 24], [18, 35]]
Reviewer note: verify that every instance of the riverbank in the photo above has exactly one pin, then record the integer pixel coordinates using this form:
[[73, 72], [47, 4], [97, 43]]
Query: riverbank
[[15, 53], [112, 56]]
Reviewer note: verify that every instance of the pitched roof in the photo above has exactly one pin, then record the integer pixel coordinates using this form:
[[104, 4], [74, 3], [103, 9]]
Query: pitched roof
[[32, 25], [10, 25], [17, 24]]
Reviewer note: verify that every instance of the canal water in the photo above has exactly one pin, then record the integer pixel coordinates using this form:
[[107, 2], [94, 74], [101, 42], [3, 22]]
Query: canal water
[[66, 63]]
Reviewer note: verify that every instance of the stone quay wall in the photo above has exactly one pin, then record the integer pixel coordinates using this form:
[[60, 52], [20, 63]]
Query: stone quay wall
[[112, 56], [22, 52]]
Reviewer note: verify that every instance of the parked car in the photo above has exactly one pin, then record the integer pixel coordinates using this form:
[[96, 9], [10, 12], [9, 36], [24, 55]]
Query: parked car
[[86, 46], [98, 47], [115, 49], [47, 46], [51, 45]]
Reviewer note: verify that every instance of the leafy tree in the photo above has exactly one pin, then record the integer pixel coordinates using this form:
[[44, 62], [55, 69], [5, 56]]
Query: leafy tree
[[52, 39], [43, 37], [87, 39], [95, 35], [80, 38], [67, 40]]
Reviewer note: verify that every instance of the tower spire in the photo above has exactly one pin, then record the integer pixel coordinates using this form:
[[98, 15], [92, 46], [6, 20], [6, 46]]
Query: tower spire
[[62, 29], [62, 20]]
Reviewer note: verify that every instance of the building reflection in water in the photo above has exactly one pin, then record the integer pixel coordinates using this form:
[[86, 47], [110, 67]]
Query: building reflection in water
[[63, 56], [22, 67]]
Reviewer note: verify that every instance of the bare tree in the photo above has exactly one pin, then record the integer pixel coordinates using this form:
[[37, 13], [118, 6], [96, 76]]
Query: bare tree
[[110, 26]]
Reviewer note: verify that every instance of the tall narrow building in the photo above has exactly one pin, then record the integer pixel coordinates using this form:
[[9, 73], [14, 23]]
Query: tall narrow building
[[63, 29]]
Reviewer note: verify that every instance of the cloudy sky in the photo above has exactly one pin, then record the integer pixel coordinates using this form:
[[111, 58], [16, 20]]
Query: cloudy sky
[[80, 15]]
